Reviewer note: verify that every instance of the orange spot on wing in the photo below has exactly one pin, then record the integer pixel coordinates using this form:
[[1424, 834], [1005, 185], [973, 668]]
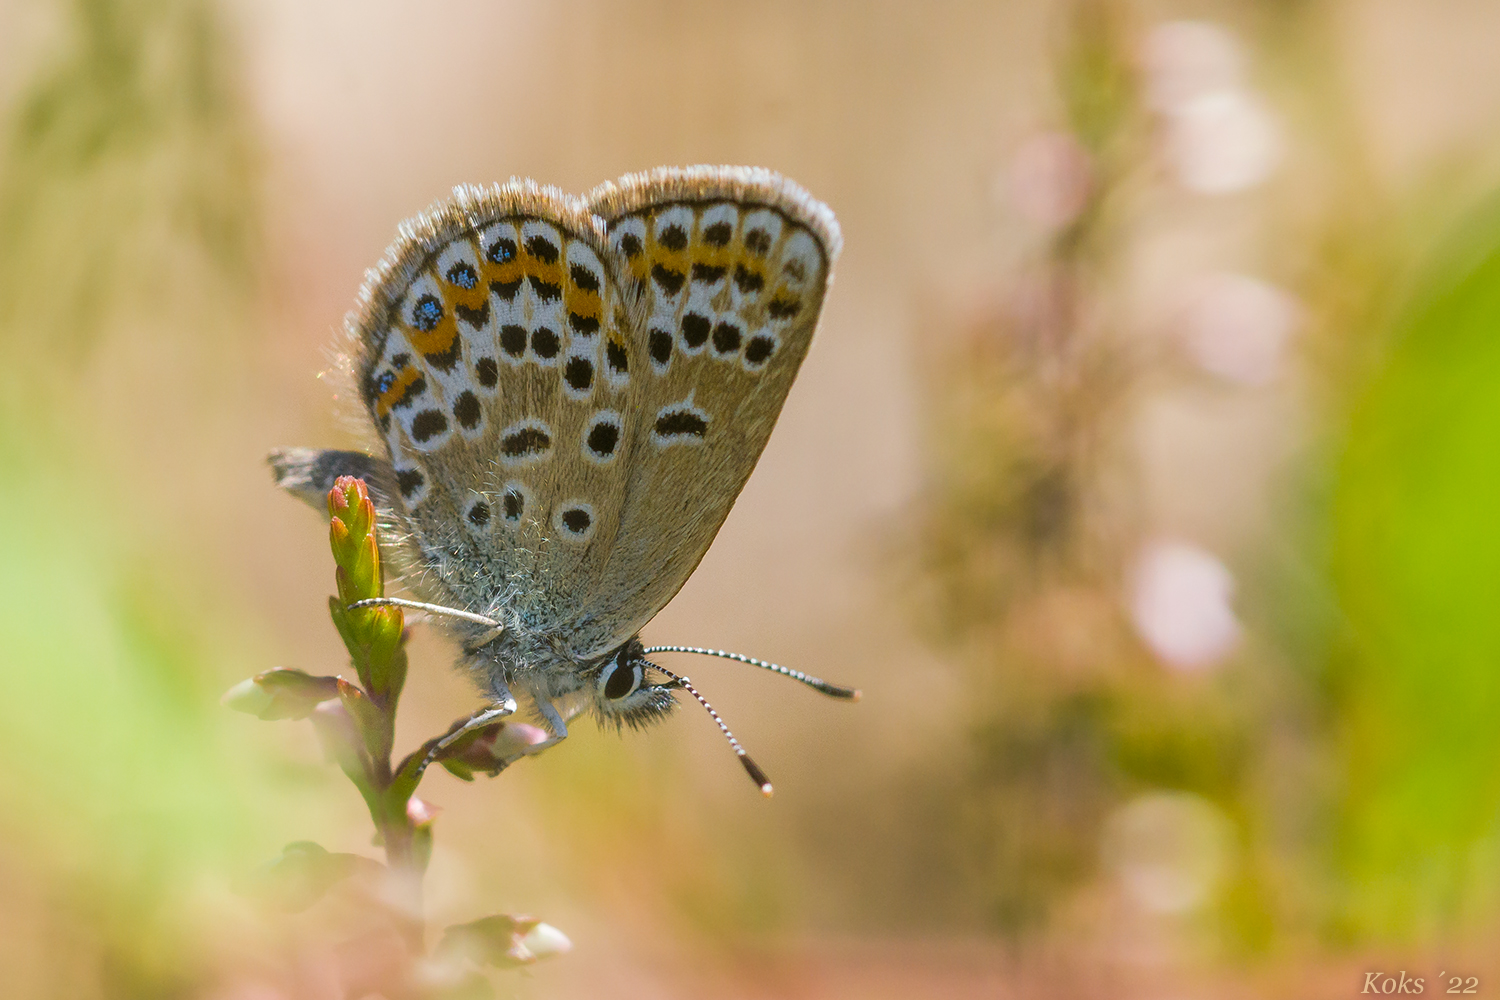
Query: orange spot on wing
[[469, 298], [508, 273], [397, 389], [584, 303], [552, 274], [438, 340]]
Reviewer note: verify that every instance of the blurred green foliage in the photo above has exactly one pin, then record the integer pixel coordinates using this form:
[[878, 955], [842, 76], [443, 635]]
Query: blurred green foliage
[[1415, 679], [127, 174], [128, 208], [1351, 741]]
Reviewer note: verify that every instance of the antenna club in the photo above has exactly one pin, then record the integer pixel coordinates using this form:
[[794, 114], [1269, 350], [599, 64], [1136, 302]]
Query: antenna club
[[766, 789], [858, 694]]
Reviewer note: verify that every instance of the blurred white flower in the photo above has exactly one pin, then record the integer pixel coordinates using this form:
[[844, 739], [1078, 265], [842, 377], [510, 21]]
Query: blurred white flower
[[1237, 327], [1223, 141], [1049, 179], [1180, 604], [1186, 59], [1170, 850], [546, 941]]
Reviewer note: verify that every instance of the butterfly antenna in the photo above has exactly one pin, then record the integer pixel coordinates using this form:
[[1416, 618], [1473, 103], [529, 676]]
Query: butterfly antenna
[[816, 683], [751, 768]]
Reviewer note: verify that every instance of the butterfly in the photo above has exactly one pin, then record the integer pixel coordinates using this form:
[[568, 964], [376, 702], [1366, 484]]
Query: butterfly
[[569, 394]]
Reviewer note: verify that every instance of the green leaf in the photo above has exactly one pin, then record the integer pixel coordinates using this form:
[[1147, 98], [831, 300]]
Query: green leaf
[[374, 725]]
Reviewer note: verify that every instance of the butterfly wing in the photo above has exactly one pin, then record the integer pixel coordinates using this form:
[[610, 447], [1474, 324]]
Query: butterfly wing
[[572, 392], [731, 265], [490, 353]]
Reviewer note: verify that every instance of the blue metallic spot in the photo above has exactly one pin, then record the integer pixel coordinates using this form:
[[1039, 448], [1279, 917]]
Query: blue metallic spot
[[427, 313]]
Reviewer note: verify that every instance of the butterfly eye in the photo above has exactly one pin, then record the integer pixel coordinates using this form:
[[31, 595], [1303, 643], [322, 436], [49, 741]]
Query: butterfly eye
[[620, 679]]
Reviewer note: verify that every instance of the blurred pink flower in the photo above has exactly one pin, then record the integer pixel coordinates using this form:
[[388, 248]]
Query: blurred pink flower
[[1237, 327], [1049, 180], [1186, 59], [1180, 604]]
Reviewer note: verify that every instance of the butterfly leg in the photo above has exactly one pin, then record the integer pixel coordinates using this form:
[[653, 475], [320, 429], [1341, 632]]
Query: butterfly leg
[[503, 705], [555, 723]]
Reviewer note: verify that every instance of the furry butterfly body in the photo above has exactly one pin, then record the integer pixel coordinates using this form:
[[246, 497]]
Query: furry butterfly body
[[569, 394]]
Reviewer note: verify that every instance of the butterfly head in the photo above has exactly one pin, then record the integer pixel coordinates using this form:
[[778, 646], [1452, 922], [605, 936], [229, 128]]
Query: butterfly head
[[623, 691]]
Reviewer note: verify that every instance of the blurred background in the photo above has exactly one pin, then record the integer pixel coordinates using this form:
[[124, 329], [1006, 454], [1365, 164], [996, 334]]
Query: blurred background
[[1144, 475]]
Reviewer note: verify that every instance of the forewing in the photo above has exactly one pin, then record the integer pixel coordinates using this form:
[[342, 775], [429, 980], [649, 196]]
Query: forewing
[[491, 354], [731, 265]]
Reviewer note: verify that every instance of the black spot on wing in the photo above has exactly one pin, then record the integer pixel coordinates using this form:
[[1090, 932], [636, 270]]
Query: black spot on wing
[[479, 514], [584, 278], [669, 280], [547, 291], [585, 325], [579, 373], [474, 317], [542, 249], [708, 273], [679, 422], [726, 338], [660, 345], [783, 308], [427, 425], [445, 360], [674, 238], [545, 343], [506, 289], [576, 520], [630, 245], [466, 410], [513, 339], [695, 329], [748, 281], [616, 357], [488, 372], [759, 349], [515, 503], [417, 387], [526, 441], [758, 242], [409, 481], [718, 234], [603, 438]]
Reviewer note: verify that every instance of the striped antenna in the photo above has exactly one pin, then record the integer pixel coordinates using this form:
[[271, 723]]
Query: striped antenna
[[816, 683], [751, 768]]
